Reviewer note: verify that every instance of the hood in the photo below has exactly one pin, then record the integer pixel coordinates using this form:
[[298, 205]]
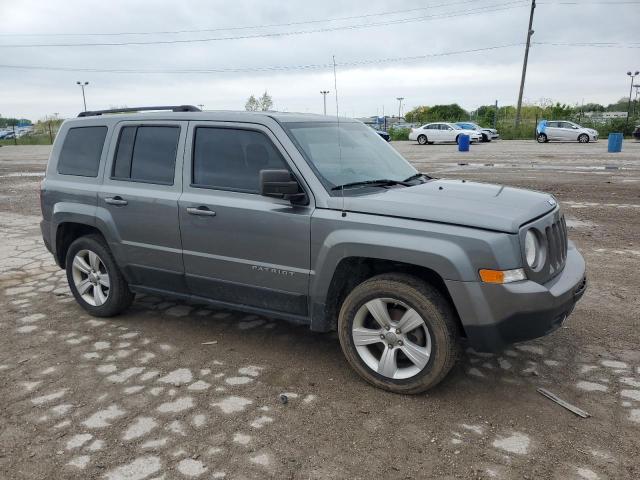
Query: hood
[[478, 205]]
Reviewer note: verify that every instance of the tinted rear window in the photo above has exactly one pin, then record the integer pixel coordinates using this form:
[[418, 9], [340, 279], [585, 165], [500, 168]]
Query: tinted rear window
[[81, 151], [147, 154]]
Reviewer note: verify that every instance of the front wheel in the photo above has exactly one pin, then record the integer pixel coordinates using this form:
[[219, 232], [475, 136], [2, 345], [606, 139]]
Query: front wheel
[[583, 138], [422, 139], [94, 278], [542, 138], [398, 333]]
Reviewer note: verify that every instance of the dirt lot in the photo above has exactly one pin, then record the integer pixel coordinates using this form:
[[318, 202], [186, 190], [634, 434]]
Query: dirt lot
[[141, 396]]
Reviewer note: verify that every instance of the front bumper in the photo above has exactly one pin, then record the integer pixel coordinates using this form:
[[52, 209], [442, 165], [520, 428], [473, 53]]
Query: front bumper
[[495, 316]]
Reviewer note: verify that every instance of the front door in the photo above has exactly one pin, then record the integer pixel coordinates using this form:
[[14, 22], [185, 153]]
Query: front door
[[139, 201], [240, 247]]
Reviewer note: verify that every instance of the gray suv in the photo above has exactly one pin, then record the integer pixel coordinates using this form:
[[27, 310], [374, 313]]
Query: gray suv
[[311, 219]]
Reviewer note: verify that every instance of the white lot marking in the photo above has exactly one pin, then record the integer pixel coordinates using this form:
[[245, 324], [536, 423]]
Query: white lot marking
[[251, 324], [177, 427], [290, 394], [205, 371], [4, 367], [132, 389], [155, 391], [218, 475], [78, 340], [473, 428], [587, 368], [531, 349], [149, 375], [475, 372], [125, 374], [78, 440], [232, 404], [107, 368], [552, 363], [101, 418], [238, 380], [165, 347], [50, 397], [141, 426], [241, 438], [36, 317], [632, 394], [101, 345], [251, 370], [146, 357], [80, 462], [178, 405], [181, 452], [191, 468], [261, 421], [129, 335], [123, 345], [630, 381], [177, 377], [48, 371], [587, 474], [95, 323], [262, 460], [17, 290], [29, 386], [61, 409], [27, 329], [517, 443], [218, 375], [95, 446], [62, 424], [634, 415], [456, 441], [591, 386], [140, 468], [199, 420], [199, 386], [614, 364], [160, 442]]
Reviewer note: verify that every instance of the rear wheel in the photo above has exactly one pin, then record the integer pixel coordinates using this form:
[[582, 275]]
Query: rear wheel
[[542, 138], [95, 279], [583, 138], [398, 333], [422, 139]]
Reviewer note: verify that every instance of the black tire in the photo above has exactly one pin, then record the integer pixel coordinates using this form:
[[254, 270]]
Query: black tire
[[485, 138], [433, 308], [542, 138], [119, 296], [422, 139], [583, 138], [458, 140]]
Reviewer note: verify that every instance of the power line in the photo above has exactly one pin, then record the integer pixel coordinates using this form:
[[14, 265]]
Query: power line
[[486, 9]]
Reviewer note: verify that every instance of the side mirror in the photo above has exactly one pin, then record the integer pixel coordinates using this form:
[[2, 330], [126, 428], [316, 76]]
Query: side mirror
[[281, 184]]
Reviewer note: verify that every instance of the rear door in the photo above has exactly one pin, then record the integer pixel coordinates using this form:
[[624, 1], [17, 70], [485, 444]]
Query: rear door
[[139, 197], [552, 131], [239, 246]]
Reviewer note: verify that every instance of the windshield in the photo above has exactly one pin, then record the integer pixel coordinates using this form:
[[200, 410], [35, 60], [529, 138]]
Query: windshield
[[361, 155]]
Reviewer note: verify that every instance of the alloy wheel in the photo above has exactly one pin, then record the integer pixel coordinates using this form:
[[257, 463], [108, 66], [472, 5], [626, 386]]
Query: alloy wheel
[[91, 278]]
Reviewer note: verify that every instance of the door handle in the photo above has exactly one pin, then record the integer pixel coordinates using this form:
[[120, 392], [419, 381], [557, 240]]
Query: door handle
[[117, 200], [202, 211]]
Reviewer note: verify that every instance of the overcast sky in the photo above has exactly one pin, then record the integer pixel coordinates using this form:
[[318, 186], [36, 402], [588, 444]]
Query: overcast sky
[[410, 28]]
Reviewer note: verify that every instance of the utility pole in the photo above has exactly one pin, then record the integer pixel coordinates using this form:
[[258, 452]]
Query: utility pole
[[84, 99], [633, 76], [526, 59], [324, 99], [495, 116], [400, 99]]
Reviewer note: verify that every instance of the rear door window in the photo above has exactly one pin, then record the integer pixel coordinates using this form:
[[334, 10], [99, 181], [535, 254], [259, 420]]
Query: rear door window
[[81, 151], [146, 154]]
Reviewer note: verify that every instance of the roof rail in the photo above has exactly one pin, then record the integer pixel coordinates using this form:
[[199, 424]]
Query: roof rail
[[173, 108]]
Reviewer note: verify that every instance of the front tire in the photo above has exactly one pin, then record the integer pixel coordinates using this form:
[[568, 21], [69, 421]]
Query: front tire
[[583, 138], [422, 139], [95, 279], [542, 138], [398, 333]]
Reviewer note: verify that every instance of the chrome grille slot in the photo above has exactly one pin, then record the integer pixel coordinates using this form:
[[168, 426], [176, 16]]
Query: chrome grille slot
[[556, 235], [553, 237]]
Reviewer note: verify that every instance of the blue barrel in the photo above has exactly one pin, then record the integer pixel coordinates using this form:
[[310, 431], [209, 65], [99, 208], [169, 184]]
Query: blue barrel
[[615, 143], [463, 143]]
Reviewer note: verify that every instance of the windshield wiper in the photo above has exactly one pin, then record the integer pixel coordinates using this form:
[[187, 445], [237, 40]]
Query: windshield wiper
[[372, 183], [417, 176]]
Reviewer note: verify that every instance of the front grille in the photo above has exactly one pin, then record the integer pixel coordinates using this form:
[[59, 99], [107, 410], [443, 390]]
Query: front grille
[[556, 238]]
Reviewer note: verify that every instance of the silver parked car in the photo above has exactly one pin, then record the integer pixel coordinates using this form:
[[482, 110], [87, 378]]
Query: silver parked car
[[565, 131]]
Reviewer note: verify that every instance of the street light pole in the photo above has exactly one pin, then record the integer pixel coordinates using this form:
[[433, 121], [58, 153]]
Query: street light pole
[[84, 99], [324, 98], [633, 76], [526, 60], [400, 99]]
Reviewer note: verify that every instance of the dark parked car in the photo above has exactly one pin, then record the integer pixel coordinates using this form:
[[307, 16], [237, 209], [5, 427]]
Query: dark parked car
[[636, 132], [384, 135], [311, 220]]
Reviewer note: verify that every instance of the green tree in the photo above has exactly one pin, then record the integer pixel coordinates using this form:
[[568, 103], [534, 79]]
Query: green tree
[[252, 104], [265, 102]]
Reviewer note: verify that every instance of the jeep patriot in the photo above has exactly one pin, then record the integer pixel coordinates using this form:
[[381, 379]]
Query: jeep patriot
[[311, 219]]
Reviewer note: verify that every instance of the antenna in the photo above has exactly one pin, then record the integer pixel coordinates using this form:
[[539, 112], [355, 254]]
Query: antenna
[[335, 87]]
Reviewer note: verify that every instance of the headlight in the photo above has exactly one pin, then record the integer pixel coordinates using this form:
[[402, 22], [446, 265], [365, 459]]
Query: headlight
[[531, 249]]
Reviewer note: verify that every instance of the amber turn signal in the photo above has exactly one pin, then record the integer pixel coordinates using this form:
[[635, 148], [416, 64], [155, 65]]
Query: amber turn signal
[[502, 276]]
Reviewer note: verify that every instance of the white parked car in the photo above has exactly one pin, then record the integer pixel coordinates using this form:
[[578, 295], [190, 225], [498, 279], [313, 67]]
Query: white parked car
[[565, 131], [441, 132]]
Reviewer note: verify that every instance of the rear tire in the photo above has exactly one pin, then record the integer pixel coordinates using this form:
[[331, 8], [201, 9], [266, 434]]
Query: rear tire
[[422, 332], [542, 138], [95, 279], [422, 139]]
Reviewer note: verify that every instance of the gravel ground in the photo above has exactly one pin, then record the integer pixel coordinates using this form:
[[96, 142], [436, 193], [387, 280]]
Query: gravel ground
[[174, 390]]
